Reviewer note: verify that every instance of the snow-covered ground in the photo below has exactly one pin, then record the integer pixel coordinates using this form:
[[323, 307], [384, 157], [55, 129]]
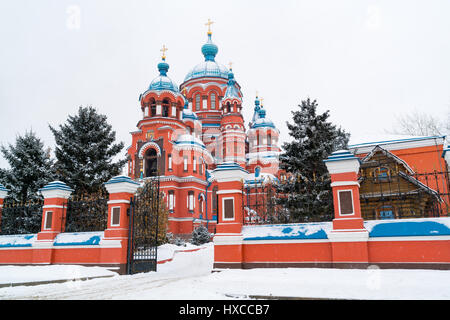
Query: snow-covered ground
[[189, 276]]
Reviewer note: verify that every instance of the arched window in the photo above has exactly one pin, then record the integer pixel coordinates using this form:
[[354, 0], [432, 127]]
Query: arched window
[[197, 102], [152, 107], [228, 107], [151, 163], [200, 205], [165, 108], [191, 201], [171, 200], [213, 100], [214, 199]]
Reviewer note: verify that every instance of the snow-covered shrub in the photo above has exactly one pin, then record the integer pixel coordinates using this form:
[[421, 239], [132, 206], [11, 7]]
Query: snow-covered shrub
[[200, 235], [179, 242]]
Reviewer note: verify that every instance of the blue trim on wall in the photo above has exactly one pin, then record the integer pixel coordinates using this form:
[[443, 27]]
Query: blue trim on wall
[[409, 228]]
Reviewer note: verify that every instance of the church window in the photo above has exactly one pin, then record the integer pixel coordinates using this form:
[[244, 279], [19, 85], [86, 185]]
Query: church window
[[169, 162], [171, 200], [165, 108], [214, 200], [152, 107], [382, 174], [213, 100], [191, 200], [194, 165], [151, 163], [269, 139], [200, 205], [197, 102], [386, 212], [185, 163]]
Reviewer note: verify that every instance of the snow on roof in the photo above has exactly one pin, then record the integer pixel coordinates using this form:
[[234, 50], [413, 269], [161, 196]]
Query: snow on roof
[[367, 139], [189, 139]]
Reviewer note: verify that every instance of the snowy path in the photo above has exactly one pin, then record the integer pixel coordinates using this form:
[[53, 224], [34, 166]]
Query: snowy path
[[189, 276]]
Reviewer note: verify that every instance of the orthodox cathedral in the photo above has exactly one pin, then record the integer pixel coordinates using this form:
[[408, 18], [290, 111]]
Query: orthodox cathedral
[[188, 131]]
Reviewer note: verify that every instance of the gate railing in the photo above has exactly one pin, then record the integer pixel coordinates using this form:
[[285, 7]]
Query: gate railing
[[144, 228], [86, 212], [21, 217], [263, 204]]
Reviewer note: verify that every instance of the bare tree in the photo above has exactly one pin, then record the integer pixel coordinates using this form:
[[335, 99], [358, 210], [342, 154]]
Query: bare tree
[[421, 124]]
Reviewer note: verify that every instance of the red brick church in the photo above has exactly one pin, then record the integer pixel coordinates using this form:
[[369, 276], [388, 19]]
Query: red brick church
[[187, 131]]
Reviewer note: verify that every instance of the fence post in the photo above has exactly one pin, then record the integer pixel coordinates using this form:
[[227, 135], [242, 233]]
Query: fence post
[[55, 195], [120, 189], [348, 236], [3, 194], [228, 237], [53, 219]]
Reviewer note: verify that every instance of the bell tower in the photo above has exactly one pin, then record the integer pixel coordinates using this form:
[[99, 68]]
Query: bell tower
[[232, 124]]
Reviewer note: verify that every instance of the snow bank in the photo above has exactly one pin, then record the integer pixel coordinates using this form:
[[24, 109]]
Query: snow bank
[[17, 240], [167, 251], [287, 231], [25, 274]]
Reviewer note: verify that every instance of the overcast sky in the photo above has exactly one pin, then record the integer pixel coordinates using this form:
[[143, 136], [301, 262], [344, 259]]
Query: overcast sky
[[365, 61]]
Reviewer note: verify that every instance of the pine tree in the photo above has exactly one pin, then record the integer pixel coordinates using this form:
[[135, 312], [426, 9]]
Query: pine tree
[[308, 190], [30, 168], [85, 150]]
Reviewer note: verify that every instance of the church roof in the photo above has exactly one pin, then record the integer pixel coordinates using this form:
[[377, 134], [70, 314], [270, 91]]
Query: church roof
[[163, 82], [209, 67], [259, 119]]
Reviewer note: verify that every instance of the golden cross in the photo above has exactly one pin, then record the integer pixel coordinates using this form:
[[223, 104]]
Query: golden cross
[[209, 23], [163, 50], [231, 65], [261, 99], [257, 93]]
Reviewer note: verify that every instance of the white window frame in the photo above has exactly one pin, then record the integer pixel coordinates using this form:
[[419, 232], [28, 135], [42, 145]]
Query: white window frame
[[169, 160], [191, 202], [171, 200], [339, 202], [185, 164], [46, 217], [223, 209], [112, 216]]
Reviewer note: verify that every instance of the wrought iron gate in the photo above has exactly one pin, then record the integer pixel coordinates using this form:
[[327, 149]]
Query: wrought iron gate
[[143, 228]]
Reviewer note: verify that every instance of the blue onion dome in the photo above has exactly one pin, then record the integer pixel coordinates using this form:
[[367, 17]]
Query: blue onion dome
[[163, 82], [209, 49], [259, 119], [209, 67]]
